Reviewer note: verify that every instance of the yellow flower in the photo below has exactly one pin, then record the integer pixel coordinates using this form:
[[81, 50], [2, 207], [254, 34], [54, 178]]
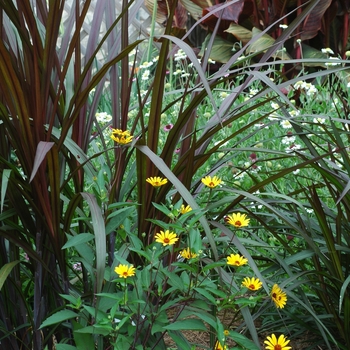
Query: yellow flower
[[218, 346], [272, 343], [125, 271], [187, 254], [184, 210], [252, 283], [236, 259], [237, 220], [166, 238], [121, 137], [156, 181], [211, 181], [278, 296], [226, 332]]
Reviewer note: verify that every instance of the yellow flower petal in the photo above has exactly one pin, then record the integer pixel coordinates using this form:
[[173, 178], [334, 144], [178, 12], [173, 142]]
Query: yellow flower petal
[[166, 238], [156, 181]]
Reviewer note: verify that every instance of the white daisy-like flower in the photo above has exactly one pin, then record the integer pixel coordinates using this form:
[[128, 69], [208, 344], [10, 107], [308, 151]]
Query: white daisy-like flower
[[331, 63], [180, 55], [145, 75], [286, 124], [103, 117], [287, 140], [146, 65], [294, 113], [327, 50]]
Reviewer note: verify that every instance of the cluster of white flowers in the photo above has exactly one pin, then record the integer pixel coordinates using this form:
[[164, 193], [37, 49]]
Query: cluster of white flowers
[[180, 55], [103, 117], [146, 65], [309, 88]]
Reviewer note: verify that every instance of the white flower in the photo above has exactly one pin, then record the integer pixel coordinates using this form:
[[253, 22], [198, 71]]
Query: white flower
[[327, 50], [294, 113], [210, 61], [319, 120], [332, 64], [283, 26], [253, 92], [178, 71], [296, 171], [185, 75], [285, 124], [103, 117], [180, 55], [287, 140], [275, 105], [145, 75], [146, 64]]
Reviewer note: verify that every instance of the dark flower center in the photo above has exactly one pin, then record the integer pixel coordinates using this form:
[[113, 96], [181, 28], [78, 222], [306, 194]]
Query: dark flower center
[[238, 223], [166, 240]]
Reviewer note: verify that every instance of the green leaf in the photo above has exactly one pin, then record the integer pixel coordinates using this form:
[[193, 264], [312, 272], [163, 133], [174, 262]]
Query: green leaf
[[67, 347], [117, 217], [78, 239], [59, 317], [243, 341], [5, 271], [100, 238], [4, 182], [342, 292], [180, 340], [188, 324]]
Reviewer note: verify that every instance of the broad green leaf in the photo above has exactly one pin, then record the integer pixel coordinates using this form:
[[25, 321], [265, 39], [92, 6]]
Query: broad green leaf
[[180, 340], [67, 347], [221, 50], [100, 238], [59, 317], [117, 217], [6, 270], [187, 324], [78, 239], [241, 33], [243, 341]]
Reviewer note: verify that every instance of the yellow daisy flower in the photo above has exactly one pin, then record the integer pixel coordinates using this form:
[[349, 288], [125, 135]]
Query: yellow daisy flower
[[121, 137], [236, 260], [218, 346], [237, 220], [184, 210], [252, 283], [166, 238], [278, 296], [211, 181], [226, 332], [187, 254], [125, 271], [272, 343], [157, 181]]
